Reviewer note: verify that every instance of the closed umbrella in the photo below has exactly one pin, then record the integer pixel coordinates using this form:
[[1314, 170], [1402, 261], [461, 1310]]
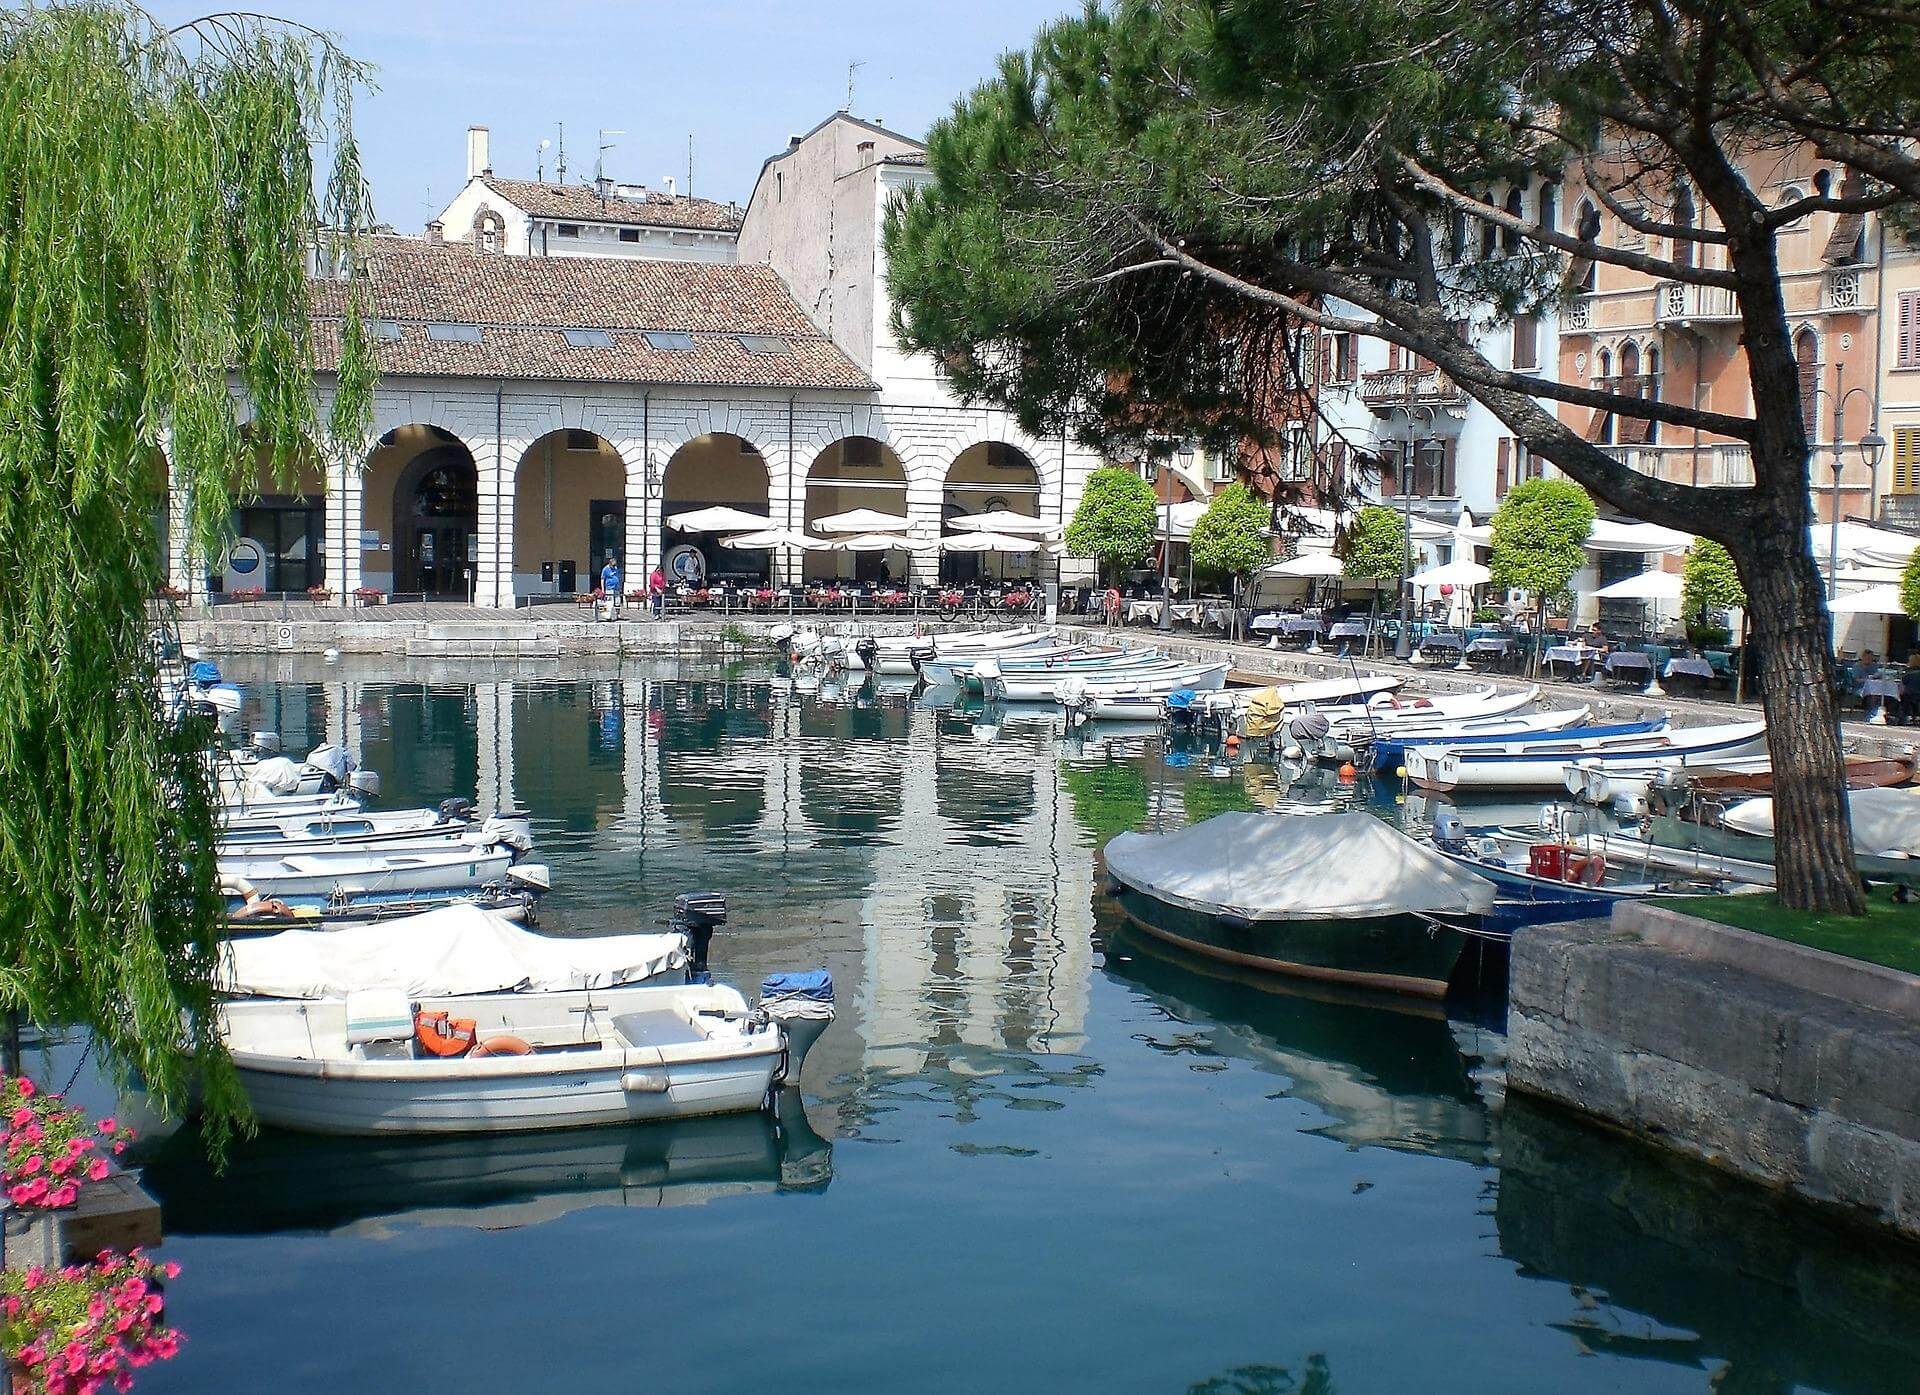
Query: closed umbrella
[[718, 519], [862, 521]]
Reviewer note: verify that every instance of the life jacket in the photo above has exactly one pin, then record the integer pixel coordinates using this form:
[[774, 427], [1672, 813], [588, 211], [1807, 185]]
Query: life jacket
[[442, 1035]]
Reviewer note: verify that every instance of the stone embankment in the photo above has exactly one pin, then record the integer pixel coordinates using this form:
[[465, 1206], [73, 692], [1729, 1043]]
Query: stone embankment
[[1794, 1068]]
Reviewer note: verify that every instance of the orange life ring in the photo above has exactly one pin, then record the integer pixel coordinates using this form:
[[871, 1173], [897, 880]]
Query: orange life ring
[[501, 1046], [1589, 869]]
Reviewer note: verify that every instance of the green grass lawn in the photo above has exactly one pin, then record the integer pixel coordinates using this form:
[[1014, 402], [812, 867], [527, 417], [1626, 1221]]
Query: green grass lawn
[[1887, 934]]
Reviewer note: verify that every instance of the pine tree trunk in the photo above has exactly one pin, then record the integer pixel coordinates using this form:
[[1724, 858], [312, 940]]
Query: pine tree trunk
[[1813, 839]]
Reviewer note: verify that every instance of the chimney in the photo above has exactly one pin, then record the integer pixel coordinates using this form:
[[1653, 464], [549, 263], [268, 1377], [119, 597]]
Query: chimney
[[435, 233], [479, 159], [864, 153], [666, 182], [793, 142]]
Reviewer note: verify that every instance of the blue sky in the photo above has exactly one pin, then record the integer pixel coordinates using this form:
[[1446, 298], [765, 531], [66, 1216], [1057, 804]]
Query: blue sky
[[738, 75]]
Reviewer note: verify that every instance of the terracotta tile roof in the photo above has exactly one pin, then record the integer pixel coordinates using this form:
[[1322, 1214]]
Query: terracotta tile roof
[[918, 157], [581, 201], [522, 305]]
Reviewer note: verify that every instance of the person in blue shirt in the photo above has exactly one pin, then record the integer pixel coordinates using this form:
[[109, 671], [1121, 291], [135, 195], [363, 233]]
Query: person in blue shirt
[[610, 585]]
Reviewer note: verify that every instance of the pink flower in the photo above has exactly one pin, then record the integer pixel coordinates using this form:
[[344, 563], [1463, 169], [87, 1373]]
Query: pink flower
[[33, 1164], [63, 1196], [26, 1088], [97, 1169], [22, 1117], [62, 1166], [119, 1148], [170, 1269], [33, 1353], [107, 1125], [77, 1146]]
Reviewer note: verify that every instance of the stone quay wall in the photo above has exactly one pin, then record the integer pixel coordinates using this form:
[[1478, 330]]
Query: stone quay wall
[[1794, 1068]]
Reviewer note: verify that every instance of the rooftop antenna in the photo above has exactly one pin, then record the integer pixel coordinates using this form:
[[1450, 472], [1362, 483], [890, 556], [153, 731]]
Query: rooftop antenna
[[540, 162], [689, 164], [560, 164], [852, 68], [600, 162]]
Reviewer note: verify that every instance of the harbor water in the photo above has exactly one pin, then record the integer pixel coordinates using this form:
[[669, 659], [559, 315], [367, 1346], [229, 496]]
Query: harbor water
[[1035, 1153]]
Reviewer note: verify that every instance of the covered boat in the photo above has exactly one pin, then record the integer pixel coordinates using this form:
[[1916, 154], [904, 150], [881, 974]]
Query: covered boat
[[1332, 896], [321, 878], [455, 950], [1543, 765]]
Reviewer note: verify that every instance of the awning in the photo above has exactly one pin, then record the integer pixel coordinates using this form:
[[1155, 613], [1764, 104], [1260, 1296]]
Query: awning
[[777, 537], [1460, 573], [861, 521], [871, 542], [1000, 521], [1308, 564], [1875, 600], [989, 542], [718, 519], [1647, 586]]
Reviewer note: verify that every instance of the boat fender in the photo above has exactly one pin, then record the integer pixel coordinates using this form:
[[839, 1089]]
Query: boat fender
[[644, 1082], [258, 905], [501, 1046], [1229, 921], [1347, 773]]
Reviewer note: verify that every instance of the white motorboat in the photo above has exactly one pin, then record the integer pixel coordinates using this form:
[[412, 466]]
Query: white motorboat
[[1386, 712], [350, 825], [1387, 744], [900, 655], [327, 835], [1543, 765], [326, 769], [1159, 678], [528, 1061], [957, 671], [353, 874]]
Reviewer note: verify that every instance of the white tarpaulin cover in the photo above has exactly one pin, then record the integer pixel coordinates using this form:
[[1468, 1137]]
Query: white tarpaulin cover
[[443, 953], [1295, 867], [1886, 822]]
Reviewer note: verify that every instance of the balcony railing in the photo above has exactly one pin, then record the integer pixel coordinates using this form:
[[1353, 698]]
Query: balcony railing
[[1724, 466], [1409, 387], [1679, 303]]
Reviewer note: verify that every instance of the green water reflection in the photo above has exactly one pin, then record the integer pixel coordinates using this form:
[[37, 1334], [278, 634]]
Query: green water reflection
[[1037, 1152]]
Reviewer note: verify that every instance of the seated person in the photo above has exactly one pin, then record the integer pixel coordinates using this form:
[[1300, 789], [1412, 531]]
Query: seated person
[[1910, 689]]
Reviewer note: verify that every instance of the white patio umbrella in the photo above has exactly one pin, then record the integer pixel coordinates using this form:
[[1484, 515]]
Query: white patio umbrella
[[1646, 586], [1459, 573], [1309, 564], [1875, 600], [777, 537], [871, 542], [989, 542], [1001, 521], [718, 519], [862, 521]]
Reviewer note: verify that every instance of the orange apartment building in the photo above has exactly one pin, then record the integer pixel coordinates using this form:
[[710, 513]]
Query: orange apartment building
[[1683, 343]]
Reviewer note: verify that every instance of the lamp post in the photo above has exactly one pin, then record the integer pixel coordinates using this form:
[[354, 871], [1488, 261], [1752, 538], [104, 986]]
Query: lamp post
[[1163, 476], [1403, 643], [1870, 446]]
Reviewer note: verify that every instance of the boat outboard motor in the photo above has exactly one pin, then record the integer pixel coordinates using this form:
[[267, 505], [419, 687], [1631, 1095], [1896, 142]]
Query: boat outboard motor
[[456, 810], [867, 651], [1305, 733], [1181, 704], [1448, 827], [696, 914], [511, 831], [276, 775], [264, 743], [333, 763], [532, 877], [1074, 697], [365, 783], [780, 634], [802, 1003]]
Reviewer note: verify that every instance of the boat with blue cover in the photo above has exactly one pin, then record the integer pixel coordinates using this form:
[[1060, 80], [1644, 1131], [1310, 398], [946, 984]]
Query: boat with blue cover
[[1390, 752]]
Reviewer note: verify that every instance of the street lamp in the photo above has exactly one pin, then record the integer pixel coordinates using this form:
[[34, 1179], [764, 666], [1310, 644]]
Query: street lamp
[[1870, 447], [1402, 645], [1163, 473]]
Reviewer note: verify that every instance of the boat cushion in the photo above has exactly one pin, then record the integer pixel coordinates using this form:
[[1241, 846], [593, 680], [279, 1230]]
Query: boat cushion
[[657, 1029], [378, 1014]]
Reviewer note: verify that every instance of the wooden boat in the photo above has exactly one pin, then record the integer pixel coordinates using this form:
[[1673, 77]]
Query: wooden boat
[[1756, 777], [1340, 897], [593, 1057], [1543, 765]]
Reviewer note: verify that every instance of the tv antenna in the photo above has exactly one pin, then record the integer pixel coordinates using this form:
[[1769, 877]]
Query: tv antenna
[[600, 162], [540, 162], [852, 68], [560, 164]]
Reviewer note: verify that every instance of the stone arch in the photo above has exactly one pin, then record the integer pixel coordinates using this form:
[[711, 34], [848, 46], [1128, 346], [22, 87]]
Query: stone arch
[[716, 468], [570, 491], [420, 501], [1806, 356], [854, 471], [489, 230], [986, 476]]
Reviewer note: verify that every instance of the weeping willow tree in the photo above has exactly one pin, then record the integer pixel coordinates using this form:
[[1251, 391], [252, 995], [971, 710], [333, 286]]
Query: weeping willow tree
[[161, 192]]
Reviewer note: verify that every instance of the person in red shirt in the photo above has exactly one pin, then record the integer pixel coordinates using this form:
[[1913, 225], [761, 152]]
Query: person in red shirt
[[657, 590]]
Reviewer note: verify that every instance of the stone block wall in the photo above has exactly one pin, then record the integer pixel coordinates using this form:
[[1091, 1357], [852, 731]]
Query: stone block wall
[[1793, 1068]]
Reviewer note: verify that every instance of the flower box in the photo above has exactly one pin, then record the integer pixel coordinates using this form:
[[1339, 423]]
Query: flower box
[[248, 593], [319, 595], [370, 595]]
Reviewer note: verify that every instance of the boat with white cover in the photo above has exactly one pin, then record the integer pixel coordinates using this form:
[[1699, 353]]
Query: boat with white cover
[[1339, 896], [1143, 680], [1543, 765]]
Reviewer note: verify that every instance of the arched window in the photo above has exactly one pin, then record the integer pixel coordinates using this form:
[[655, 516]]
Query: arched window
[[1457, 236], [1549, 207], [1588, 230], [1603, 375], [1629, 365], [1806, 354], [1516, 208], [1683, 217]]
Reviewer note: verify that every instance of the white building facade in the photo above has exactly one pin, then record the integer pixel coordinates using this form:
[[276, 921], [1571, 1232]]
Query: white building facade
[[540, 408]]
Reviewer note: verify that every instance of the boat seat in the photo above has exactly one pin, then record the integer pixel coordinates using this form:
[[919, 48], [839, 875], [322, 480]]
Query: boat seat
[[657, 1029]]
